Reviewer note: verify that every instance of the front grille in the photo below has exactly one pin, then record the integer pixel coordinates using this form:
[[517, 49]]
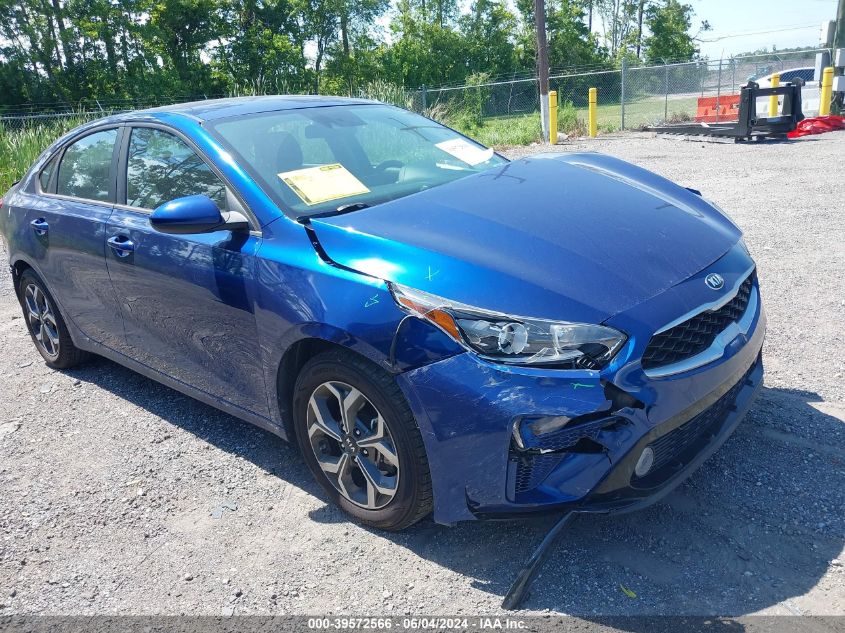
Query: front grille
[[697, 333], [672, 447]]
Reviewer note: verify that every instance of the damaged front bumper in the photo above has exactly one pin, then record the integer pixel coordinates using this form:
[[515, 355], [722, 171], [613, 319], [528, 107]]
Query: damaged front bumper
[[467, 410]]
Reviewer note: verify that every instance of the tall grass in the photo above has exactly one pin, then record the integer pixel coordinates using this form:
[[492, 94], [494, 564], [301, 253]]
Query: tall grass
[[387, 92], [463, 114], [522, 129], [20, 147]]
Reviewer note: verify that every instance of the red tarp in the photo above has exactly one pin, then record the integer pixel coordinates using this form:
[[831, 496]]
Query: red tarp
[[818, 125]]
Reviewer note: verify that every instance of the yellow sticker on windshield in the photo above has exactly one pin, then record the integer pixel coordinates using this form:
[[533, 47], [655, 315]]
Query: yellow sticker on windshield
[[323, 183]]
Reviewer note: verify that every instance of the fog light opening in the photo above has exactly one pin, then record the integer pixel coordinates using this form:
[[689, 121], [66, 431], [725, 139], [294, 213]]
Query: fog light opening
[[545, 425], [645, 462]]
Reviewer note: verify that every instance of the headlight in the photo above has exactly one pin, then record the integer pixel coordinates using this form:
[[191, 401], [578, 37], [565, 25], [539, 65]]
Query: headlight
[[512, 339]]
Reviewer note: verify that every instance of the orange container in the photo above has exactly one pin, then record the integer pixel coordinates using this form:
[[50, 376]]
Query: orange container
[[728, 109]]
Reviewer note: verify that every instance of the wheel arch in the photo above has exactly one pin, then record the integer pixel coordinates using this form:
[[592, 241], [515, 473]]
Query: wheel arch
[[382, 380], [19, 266], [291, 364]]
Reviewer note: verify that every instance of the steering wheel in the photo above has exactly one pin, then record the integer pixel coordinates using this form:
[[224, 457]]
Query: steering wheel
[[382, 173], [385, 165]]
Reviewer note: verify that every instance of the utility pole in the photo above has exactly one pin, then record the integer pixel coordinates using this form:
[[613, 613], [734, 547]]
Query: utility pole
[[543, 64], [839, 42]]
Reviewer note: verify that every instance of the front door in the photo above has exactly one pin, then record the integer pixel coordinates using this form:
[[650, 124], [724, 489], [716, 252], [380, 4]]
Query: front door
[[187, 300]]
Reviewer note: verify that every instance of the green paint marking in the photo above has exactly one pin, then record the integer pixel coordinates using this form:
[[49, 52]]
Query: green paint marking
[[576, 385]]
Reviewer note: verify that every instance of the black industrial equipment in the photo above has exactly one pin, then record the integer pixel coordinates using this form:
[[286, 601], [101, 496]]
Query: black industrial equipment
[[749, 126]]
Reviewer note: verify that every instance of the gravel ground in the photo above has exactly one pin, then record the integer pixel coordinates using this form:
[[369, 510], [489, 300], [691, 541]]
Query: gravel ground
[[108, 481]]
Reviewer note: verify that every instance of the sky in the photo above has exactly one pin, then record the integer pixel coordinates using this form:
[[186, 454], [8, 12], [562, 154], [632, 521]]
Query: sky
[[738, 24]]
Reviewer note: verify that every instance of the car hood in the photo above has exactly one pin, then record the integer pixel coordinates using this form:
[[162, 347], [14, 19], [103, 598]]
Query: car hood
[[577, 237]]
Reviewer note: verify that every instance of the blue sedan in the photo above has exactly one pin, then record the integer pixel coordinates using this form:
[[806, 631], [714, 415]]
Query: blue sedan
[[438, 329]]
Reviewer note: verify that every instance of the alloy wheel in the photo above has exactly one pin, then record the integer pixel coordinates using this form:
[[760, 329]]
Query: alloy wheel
[[353, 445], [42, 320]]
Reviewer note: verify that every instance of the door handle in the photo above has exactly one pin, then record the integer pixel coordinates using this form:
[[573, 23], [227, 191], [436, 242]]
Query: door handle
[[40, 226], [121, 245]]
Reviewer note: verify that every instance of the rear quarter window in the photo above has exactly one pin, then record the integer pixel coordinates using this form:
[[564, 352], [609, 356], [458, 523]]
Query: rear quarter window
[[47, 173]]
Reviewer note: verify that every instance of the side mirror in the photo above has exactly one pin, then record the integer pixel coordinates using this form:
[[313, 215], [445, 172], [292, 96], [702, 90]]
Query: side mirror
[[195, 214]]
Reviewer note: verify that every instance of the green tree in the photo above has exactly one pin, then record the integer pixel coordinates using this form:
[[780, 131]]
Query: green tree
[[571, 43], [423, 52], [354, 55], [669, 23], [17, 84], [335, 27], [489, 30], [427, 54], [618, 20], [86, 52], [262, 47], [180, 31], [31, 28]]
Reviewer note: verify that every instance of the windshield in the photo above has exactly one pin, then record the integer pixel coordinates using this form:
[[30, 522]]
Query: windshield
[[315, 161]]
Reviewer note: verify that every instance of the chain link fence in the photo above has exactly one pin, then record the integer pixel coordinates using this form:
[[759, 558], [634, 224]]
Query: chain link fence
[[630, 97], [19, 117]]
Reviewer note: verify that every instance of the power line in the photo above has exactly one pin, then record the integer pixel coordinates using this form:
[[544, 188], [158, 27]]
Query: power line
[[780, 30]]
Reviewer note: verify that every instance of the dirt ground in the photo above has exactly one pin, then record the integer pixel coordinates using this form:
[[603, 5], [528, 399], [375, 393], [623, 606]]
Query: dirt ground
[[109, 481]]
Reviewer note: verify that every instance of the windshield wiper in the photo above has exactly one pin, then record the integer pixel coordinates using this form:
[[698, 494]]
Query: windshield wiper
[[355, 206], [344, 208]]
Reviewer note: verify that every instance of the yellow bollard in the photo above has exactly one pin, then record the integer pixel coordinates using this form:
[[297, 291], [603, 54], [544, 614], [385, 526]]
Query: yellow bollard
[[592, 112], [773, 99], [553, 117], [826, 91]]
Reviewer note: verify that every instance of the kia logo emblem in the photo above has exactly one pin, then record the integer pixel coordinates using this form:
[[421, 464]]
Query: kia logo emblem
[[714, 281]]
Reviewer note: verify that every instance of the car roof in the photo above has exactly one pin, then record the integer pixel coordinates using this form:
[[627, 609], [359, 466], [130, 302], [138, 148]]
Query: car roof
[[801, 69], [212, 109], [787, 70]]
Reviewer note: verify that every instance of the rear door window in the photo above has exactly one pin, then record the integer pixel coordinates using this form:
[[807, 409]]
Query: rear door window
[[86, 166]]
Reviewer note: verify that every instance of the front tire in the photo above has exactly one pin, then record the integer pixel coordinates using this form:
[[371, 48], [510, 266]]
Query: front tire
[[46, 325], [360, 440]]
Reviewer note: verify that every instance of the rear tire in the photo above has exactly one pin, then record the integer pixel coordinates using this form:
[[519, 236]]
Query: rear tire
[[360, 440], [46, 325]]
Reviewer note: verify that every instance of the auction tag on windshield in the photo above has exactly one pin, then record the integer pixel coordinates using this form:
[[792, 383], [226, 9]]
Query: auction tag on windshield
[[465, 151], [323, 183]]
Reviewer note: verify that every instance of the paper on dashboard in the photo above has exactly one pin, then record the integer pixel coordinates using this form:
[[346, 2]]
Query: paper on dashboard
[[465, 151], [323, 183]]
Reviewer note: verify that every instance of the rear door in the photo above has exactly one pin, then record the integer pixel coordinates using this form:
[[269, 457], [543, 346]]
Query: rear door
[[64, 213], [187, 300]]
